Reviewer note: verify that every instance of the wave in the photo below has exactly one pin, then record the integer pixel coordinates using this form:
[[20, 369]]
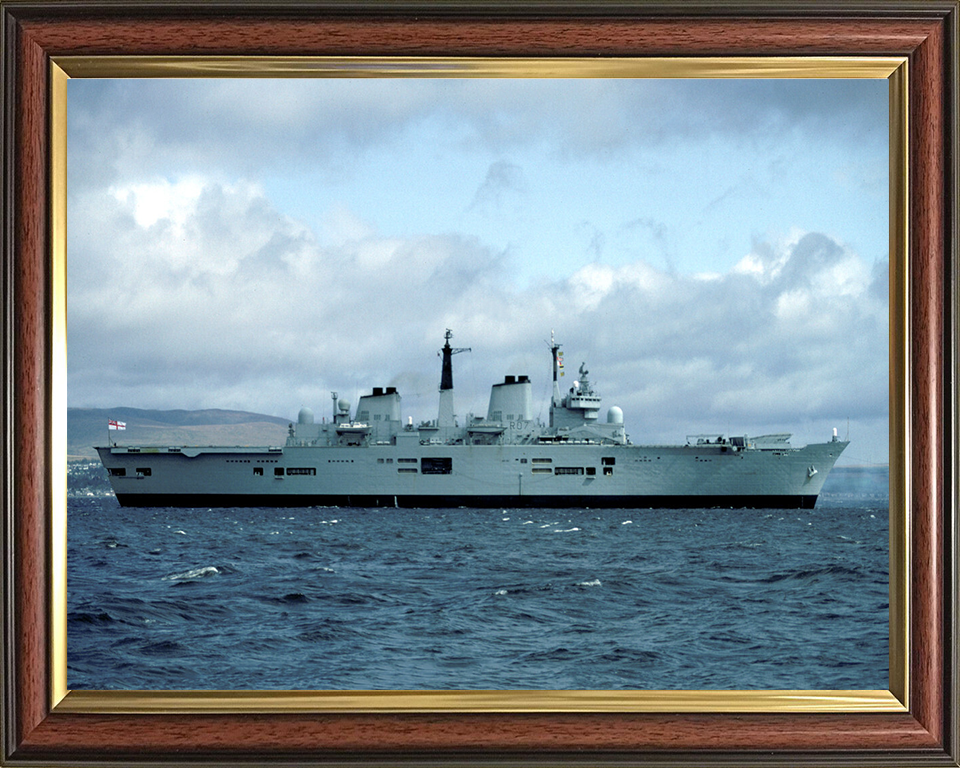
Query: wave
[[162, 648], [618, 654], [462, 601], [195, 573], [805, 574], [81, 617], [559, 653]]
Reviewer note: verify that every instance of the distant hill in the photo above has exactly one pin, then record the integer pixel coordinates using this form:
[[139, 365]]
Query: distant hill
[[87, 427]]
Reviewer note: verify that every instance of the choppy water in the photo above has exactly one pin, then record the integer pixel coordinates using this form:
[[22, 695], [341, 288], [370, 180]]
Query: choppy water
[[323, 598]]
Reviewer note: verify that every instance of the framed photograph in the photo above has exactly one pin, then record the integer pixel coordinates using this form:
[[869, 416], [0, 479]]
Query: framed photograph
[[901, 50]]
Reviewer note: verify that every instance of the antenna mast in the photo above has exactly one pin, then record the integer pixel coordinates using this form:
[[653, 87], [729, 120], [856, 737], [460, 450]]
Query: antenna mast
[[445, 414], [446, 375]]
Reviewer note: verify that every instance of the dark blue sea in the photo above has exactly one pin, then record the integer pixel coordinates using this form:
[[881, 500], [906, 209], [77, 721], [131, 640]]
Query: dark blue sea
[[348, 598]]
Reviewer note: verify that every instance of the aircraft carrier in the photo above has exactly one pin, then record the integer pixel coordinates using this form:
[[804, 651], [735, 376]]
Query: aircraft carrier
[[506, 458]]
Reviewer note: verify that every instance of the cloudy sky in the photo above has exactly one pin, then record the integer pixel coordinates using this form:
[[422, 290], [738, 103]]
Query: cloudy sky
[[715, 250]]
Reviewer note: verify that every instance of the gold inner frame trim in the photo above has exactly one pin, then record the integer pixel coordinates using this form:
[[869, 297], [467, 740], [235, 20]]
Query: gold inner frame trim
[[418, 66], [58, 381], [893, 69], [237, 702], [900, 514]]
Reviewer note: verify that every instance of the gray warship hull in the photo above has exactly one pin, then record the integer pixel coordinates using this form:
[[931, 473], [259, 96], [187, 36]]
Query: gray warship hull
[[503, 459], [472, 476]]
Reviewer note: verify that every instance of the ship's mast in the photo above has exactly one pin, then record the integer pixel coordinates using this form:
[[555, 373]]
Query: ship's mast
[[445, 414], [555, 353]]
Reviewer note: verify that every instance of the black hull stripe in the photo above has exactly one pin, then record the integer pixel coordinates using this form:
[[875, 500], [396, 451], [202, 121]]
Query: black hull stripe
[[481, 502]]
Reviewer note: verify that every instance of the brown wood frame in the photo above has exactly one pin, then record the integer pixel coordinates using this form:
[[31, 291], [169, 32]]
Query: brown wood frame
[[925, 32]]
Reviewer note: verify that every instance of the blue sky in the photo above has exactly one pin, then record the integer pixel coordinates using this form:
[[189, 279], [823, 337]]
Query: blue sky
[[715, 249]]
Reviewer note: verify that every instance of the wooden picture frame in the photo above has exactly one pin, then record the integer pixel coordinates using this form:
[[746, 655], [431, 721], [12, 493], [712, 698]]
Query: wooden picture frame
[[38, 730]]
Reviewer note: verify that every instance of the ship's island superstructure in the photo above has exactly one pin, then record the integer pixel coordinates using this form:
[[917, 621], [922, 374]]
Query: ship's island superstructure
[[507, 458]]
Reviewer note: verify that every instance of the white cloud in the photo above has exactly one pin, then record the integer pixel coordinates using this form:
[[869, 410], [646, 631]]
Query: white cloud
[[793, 306], [340, 225], [240, 306], [160, 199], [591, 285], [751, 264], [265, 122]]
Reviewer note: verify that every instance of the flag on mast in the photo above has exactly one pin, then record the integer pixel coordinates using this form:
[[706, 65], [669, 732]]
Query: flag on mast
[[111, 424]]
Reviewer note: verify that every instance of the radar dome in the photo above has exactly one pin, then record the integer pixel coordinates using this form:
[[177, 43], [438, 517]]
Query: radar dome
[[343, 405], [615, 415], [305, 416]]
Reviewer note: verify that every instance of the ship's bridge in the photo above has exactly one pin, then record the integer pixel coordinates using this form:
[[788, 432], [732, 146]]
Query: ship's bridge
[[581, 396], [583, 402]]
